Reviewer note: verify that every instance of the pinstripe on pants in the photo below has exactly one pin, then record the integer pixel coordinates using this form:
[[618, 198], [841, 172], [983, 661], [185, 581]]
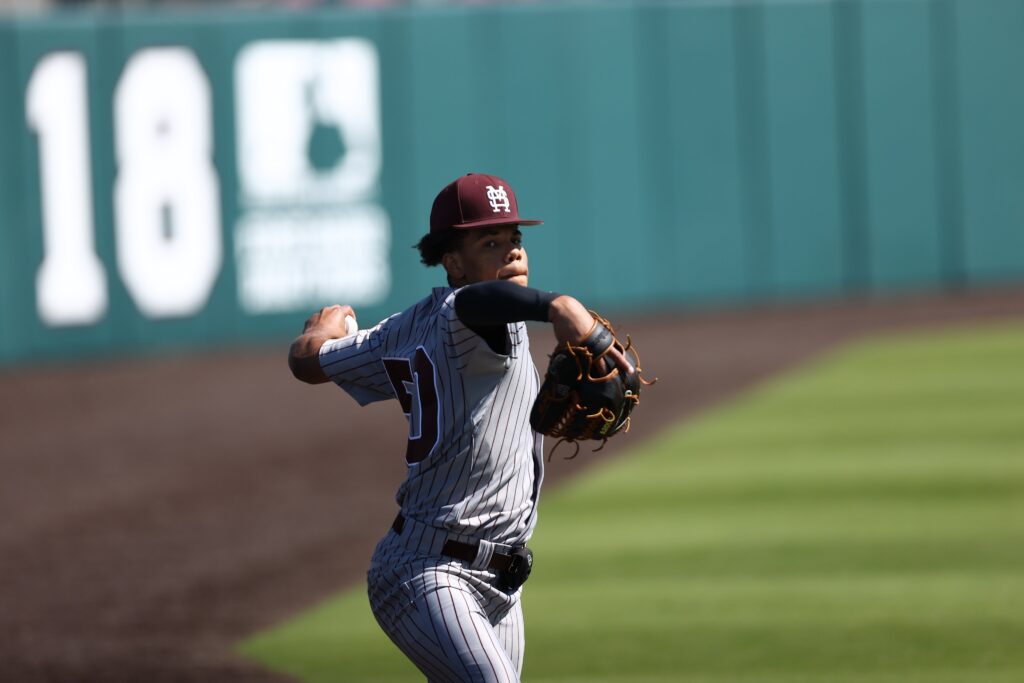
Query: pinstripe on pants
[[446, 617]]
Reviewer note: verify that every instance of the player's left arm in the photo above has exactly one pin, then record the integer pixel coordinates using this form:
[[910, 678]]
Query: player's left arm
[[304, 353], [573, 323], [487, 305]]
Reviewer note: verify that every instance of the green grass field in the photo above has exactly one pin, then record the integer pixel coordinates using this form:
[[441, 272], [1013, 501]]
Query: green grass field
[[858, 520]]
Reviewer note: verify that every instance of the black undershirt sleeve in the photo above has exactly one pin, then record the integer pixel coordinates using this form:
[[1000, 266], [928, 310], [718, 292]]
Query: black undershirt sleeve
[[486, 307]]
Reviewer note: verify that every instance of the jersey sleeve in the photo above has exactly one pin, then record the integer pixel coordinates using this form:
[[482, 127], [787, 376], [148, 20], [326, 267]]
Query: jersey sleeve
[[354, 364]]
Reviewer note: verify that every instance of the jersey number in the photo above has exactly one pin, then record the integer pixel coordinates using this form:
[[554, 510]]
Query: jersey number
[[415, 385]]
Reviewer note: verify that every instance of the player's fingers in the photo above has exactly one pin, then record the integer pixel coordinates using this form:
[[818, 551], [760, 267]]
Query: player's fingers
[[336, 312], [331, 319], [620, 360]]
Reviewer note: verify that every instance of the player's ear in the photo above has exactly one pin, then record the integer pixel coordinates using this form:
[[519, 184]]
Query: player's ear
[[452, 262]]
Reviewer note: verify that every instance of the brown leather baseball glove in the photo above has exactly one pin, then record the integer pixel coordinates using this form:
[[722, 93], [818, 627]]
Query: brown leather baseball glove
[[584, 395]]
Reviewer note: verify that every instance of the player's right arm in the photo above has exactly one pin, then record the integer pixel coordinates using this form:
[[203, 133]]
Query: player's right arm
[[304, 353]]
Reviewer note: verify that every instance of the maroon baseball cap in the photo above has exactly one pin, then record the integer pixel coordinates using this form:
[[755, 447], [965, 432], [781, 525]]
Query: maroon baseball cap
[[473, 201]]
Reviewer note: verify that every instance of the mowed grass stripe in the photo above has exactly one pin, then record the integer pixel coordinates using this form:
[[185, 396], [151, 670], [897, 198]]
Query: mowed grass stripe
[[861, 519]]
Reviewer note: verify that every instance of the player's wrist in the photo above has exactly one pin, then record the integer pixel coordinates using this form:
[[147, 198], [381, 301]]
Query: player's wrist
[[571, 320]]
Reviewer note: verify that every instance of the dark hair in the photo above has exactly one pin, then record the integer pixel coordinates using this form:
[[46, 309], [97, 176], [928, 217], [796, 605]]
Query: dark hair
[[434, 245]]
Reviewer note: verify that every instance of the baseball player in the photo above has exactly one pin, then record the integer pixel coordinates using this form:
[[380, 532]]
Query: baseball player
[[445, 581]]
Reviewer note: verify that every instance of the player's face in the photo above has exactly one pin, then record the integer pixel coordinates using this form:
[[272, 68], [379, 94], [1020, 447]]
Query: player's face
[[493, 253]]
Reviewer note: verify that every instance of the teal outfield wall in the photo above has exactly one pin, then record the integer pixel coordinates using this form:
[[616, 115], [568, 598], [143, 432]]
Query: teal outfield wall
[[189, 168]]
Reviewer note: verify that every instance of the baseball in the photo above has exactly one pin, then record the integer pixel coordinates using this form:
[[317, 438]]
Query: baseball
[[351, 326]]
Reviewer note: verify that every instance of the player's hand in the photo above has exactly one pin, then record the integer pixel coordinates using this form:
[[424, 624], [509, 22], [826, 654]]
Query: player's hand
[[624, 366], [572, 323], [330, 321], [570, 319]]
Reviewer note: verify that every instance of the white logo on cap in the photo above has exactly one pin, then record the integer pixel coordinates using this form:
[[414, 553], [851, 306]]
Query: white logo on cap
[[498, 198]]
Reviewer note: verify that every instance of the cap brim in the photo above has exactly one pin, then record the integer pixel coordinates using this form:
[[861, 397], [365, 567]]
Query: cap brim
[[496, 221]]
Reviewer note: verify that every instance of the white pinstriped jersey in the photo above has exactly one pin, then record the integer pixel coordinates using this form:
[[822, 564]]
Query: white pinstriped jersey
[[475, 465]]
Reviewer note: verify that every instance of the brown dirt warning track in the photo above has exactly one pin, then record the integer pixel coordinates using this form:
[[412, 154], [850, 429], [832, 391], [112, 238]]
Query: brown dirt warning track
[[153, 513]]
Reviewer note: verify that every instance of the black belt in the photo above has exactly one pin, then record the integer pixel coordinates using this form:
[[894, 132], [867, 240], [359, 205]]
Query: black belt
[[466, 552]]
